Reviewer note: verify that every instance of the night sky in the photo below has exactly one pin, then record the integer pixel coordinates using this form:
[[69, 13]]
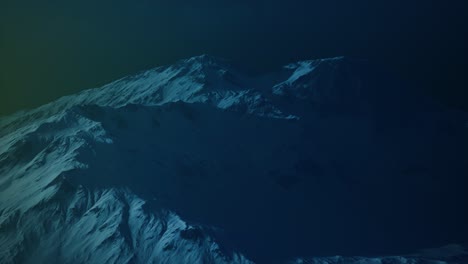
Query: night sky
[[52, 48]]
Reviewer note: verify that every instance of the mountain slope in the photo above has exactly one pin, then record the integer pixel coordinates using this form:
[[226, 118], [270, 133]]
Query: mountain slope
[[299, 163]]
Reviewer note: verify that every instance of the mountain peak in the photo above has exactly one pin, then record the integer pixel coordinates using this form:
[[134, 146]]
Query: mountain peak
[[197, 163], [205, 59], [332, 60]]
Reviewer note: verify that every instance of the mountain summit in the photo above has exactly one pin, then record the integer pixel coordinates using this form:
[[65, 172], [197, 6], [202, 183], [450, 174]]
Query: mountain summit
[[198, 162]]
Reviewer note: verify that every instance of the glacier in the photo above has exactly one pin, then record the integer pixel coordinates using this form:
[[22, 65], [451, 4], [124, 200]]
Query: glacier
[[199, 162]]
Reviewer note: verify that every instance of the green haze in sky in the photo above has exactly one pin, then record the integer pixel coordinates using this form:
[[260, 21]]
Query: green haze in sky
[[52, 48]]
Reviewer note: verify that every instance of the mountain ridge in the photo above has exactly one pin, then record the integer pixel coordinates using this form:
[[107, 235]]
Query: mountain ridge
[[259, 172]]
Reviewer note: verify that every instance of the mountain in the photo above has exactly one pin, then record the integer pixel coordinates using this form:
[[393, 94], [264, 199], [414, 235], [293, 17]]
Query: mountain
[[198, 162]]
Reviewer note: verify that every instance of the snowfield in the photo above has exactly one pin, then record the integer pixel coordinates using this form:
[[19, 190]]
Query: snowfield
[[198, 162]]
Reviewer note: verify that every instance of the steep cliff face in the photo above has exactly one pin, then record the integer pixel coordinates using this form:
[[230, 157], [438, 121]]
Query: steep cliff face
[[200, 163]]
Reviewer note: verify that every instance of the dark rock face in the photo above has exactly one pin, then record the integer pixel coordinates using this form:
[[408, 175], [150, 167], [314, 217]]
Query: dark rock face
[[200, 163]]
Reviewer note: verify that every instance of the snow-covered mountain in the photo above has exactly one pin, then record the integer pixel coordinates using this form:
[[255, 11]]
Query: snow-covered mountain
[[199, 162]]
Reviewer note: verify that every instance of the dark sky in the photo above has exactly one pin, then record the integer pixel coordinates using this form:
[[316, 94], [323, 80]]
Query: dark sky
[[53, 48]]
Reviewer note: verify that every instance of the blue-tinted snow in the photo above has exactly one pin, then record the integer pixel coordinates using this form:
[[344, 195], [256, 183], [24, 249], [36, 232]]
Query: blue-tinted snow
[[200, 163]]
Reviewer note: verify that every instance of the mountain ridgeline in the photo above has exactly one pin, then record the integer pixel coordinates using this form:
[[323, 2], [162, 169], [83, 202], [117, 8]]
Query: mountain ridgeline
[[198, 162]]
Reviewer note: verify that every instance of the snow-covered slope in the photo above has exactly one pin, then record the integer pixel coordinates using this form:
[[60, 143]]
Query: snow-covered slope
[[199, 163], [442, 255]]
